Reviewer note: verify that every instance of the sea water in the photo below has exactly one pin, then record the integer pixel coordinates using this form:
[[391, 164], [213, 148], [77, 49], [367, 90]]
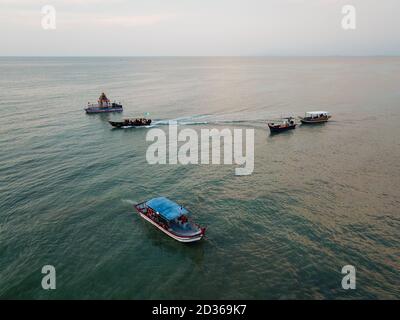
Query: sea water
[[319, 197]]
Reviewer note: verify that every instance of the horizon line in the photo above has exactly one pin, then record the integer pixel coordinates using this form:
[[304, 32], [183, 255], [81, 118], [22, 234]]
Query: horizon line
[[203, 56]]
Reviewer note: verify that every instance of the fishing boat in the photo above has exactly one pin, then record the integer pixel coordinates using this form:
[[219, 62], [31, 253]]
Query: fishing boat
[[283, 125], [130, 123], [170, 218], [312, 117], [103, 105]]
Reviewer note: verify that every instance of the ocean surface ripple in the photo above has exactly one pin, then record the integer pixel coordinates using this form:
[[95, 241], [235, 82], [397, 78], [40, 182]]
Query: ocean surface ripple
[[319, 198]]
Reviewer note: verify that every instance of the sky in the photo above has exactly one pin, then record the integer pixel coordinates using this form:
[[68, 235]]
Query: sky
[[199, 28]]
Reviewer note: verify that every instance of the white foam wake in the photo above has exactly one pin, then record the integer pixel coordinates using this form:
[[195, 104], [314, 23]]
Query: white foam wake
[[129, 201]]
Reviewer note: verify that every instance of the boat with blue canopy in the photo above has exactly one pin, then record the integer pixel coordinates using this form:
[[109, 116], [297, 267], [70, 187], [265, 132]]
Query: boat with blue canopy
[[171, 218]]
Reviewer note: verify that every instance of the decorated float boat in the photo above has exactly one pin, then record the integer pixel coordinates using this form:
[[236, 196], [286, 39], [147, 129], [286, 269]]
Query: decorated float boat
[[131, 123], [170, 218], [282, 125], [312, 117], [103, 106]]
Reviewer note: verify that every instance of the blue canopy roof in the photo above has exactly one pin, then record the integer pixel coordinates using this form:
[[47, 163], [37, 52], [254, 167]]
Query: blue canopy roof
[[166, 208]]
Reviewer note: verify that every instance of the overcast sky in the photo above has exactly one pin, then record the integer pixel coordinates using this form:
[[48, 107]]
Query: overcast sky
[[199, 27]]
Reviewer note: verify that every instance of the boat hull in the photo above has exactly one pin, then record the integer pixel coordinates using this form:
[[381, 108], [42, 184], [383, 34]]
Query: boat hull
[[102, 110], [122, 125], [314, 121], [177, 237]]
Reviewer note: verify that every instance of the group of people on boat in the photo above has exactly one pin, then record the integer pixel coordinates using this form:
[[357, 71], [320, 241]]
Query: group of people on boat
[[315, 117], [156, 218], [136, 122], [180, 221], [323, 117], [131, 123]]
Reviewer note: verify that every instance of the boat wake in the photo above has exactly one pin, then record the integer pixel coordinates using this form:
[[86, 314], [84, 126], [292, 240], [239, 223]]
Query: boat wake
[[130, 202], [207, 119], [201, 120]]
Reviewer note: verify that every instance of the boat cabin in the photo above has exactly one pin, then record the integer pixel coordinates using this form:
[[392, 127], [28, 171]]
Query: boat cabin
[[103, 101], [167, 211], [317, 114]]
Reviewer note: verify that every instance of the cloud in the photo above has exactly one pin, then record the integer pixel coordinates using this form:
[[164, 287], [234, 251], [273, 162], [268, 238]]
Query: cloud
[[80, 20], [123, 21], [58, 2], [71, 13]]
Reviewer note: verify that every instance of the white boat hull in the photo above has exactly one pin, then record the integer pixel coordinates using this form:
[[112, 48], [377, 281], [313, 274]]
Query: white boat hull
[[307, 121], [172, 235]]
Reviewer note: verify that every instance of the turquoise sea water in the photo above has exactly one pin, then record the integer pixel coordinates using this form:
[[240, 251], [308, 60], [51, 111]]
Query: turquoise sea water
[[319, 197]]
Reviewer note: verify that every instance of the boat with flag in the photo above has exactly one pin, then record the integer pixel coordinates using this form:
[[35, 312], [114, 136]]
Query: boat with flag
[[282, 125], [103, 105], [170, 218]]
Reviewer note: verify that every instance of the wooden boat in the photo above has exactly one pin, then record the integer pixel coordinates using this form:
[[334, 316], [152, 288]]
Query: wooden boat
[[283, 125], [170, 218], [313, 117], [103, 106], [130, 123]]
